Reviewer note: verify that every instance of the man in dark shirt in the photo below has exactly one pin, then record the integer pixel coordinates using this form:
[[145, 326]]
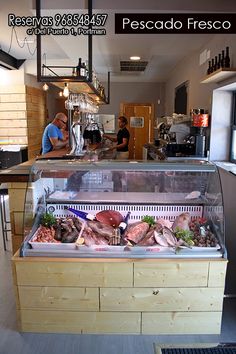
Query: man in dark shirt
[[122, 139]]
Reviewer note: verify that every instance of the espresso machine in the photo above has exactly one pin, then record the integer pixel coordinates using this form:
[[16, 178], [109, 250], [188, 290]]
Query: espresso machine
[[200, 121]]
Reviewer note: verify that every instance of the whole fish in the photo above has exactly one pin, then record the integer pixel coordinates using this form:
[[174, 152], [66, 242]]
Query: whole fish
[[160, 239], [182, 222], [169, 236], [136, 233]]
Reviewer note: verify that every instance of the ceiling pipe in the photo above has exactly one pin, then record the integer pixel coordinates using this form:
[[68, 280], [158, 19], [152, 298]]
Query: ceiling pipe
[[38, 41]]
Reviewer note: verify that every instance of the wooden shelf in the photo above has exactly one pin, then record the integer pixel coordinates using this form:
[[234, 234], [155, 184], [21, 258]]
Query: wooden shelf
[[82, 87], [77, 84], [218, 76]]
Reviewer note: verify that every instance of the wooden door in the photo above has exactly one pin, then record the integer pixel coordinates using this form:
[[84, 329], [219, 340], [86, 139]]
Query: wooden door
[[140, 126]]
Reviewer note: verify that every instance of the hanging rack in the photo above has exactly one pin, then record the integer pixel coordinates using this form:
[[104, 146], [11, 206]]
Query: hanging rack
[[78, 83]]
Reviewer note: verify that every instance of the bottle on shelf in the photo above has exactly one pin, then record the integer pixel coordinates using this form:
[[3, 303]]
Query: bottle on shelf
[[212, 65], [83, 70], [219, 61], [223, 59], [216, 64], [78, 67], [95, 81], [74, 72], [227, 58], [87, 69], [123, 225], [209, 68]]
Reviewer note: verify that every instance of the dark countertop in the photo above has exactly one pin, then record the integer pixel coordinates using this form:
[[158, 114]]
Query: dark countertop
[[18, 173], [21, 172], [157, 153]]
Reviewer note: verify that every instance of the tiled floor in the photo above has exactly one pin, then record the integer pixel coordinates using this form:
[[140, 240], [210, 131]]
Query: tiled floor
[[12, 342]]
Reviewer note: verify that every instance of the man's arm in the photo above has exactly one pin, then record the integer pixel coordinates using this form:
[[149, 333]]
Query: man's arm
[[124, 143], [111, 138], [58, 144]]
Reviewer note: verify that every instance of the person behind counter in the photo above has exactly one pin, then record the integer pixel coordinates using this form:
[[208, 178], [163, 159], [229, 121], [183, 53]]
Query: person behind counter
[[122, 139], [55, 136]]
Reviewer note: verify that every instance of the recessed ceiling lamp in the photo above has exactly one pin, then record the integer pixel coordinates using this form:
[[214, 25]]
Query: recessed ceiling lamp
[[66, 90], [45, 87], [134, 57]]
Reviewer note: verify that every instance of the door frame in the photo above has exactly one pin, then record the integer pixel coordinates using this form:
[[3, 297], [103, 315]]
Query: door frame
[[151, 132]]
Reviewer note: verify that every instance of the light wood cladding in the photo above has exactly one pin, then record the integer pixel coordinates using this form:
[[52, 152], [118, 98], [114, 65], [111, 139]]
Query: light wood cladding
[[66, 298], [20, 123], [217, 274], [22, 117], [73, 295], [13, 89], [70, 274], [171, 274], [17, 193], [36, 119], [161, 299], [181, 323], [80, 322]]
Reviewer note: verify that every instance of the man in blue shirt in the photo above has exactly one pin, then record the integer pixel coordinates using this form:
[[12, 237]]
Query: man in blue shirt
[[53, 138]]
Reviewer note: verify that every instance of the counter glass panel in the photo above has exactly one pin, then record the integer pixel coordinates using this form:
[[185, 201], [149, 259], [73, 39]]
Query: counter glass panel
[[173, 209]]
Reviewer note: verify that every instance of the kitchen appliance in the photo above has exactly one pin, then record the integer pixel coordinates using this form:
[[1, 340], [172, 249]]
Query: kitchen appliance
[[200, 120]]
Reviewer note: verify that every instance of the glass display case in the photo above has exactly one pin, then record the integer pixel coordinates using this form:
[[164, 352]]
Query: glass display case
[[124, 210]]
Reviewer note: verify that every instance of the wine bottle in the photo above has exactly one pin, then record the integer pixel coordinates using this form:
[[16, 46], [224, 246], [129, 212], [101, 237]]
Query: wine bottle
[[209, 68], [219, 61], [212, 65], [83, 70], [223, 59], [78, 67], [82, 214], [216, 64], [123, 225], [227, 58]]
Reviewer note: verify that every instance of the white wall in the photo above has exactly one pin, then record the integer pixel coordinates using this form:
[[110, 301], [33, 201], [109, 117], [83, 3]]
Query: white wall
[[133, 92], [200, 95], [220, 127]]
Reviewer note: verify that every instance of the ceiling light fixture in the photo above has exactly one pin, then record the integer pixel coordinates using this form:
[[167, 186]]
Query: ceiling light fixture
[[134, 57], [45, 87], [66, 90]]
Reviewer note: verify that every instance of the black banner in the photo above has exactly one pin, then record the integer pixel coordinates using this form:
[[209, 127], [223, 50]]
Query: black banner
[[175, 23]]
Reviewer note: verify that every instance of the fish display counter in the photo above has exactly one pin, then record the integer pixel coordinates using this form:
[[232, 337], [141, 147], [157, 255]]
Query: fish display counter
[[122, 247]]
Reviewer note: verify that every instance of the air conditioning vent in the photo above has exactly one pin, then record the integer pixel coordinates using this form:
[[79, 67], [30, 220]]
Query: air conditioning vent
[[130, 65]]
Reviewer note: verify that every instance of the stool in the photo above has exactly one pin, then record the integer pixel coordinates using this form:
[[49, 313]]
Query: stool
[[4, 222]]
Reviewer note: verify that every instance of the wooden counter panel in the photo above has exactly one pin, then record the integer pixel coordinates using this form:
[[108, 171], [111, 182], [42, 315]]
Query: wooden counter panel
[[171, 274], [181, 323], [162, 299], [217, 272], [74, 274], [17, 199], [61, 298], [80, 322]]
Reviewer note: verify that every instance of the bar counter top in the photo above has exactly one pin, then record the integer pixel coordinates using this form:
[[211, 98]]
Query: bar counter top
[[21, 172]]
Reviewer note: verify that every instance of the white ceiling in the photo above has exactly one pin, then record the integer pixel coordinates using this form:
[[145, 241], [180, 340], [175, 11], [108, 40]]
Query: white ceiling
[[163, 52]]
